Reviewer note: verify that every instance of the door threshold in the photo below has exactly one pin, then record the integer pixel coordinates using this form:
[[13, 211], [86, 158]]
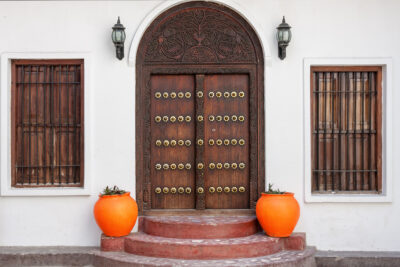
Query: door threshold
[[194, 212]]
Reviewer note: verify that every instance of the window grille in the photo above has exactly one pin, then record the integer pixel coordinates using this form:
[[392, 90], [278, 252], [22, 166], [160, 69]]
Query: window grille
[[346, 129], [47, 123]]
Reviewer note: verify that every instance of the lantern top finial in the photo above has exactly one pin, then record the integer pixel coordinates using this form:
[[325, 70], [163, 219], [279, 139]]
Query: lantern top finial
[[283, 25]]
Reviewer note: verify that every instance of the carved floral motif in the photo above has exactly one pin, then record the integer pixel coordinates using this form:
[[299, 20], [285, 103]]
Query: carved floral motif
[[199, 36]]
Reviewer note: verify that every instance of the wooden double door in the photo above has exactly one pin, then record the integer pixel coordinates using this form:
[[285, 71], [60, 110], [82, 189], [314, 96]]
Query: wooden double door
[[199, 151]]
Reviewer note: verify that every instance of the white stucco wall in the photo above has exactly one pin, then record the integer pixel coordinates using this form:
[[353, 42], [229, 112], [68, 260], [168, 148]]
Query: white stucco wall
[[321, 29]]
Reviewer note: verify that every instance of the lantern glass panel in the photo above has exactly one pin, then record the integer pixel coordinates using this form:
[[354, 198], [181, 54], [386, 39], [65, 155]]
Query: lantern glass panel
[[117, 36]]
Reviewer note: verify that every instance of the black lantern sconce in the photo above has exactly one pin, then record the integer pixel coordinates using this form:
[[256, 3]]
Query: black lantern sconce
[[118, 37], [283, 36]]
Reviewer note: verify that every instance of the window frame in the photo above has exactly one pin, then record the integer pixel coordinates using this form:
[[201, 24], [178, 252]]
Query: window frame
[[6, 188], [14, 107], [386, 130]]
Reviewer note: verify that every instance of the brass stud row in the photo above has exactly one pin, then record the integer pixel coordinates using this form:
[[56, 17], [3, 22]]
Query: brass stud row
[[173, 166], [172, 118], [226, 118], [226, 189], [226, 142], [173, 190], [173, 142], [172, 95], [226, 94], [226, 165]]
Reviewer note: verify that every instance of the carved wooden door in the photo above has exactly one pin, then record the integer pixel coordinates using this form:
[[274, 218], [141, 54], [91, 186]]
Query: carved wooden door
[[199, 120], [199, 141]]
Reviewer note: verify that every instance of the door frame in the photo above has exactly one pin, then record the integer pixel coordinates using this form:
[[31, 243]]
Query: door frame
[[254, 69]]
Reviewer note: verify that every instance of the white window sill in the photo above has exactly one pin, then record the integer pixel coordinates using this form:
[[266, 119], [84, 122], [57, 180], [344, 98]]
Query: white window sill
[[347, 198], [53, 191]]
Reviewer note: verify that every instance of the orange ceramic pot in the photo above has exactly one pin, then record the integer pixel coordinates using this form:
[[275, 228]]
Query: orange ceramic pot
[[278, 213], [116, 214]]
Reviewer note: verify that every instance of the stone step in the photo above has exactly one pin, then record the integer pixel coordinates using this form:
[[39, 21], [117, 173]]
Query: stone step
[[288, 258], [255, 245], [197, 227]]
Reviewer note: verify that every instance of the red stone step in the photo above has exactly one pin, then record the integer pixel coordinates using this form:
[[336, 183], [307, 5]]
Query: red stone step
[[289, 258], [197, 227], [244, 247]]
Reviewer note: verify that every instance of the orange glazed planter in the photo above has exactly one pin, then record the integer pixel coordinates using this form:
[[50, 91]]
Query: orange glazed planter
[[278, 213], [116, 214]]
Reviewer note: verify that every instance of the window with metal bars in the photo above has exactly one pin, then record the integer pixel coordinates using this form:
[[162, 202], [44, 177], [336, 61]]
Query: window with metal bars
[[346, 127], [47, 123]]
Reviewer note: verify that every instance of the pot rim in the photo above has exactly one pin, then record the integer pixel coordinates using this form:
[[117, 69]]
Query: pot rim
[[121, 195], [286, 194]]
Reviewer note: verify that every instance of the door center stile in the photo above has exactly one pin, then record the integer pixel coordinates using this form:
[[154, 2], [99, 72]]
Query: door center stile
[[200, 144]]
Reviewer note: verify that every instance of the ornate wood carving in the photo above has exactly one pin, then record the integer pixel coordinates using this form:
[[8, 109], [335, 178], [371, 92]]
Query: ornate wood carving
[[200, 35]]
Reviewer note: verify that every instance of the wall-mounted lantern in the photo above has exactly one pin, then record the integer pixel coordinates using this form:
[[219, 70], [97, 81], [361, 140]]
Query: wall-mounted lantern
[[118, 38], [283, 36]]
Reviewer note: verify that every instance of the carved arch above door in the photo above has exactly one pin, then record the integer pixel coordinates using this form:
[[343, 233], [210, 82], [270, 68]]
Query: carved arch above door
[[199, 38]]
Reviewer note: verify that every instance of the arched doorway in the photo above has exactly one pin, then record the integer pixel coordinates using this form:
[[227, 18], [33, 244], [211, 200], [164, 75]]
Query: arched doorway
[[199, 111]]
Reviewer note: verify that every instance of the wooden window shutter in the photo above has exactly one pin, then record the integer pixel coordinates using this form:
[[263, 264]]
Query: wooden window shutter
[[47, 123], [346, 125]]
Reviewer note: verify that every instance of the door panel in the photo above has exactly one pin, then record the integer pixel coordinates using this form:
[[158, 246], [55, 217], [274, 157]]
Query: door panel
[[172, 141], [223, 103], [226, 96]]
